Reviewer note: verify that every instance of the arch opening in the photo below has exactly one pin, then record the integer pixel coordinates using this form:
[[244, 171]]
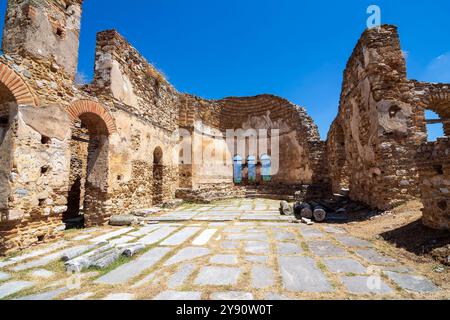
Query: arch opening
[[88, 178]]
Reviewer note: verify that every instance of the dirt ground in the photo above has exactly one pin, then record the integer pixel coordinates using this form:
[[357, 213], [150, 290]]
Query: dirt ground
[[401, 232]]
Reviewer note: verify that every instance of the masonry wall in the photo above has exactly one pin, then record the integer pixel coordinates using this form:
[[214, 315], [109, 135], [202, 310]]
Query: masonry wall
[[296, 151], [434, 169], [381, 125]]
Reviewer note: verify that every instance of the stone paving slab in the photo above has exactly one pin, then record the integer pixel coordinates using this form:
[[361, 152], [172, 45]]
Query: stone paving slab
[[146, 280], [144, 231], [344, 265], [228, 259], [365, 285], [178, 278], [232, 295], [110, 235], [33, 254], [326, 249], [157, 235], [284, 236], [50, 295], [413, 283], [262, 277], [256, 247], [204, 237], [374, 257], [128, 271], [249, 236], [122, 240], [218, 276], [301, 274], [12, 287], [42, 273], [120, 296], [181, 236], [311, 233], [82, 296], [257, 259], [179, 295], [187, 254], [49, 258], [230, 244], [4, 276], [353, 242], [275, 297], [288, 248]]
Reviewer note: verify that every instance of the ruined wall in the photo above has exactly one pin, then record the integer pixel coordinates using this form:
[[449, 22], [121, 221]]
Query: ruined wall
[[433, 157], [297, 154], [381, 124], [146, 109], [434, 169], [44, 30]]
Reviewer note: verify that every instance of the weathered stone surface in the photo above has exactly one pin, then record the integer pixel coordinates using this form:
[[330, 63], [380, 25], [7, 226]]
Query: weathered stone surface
[[157, 236], [218, 276], [353, 242], [256, 247], [180, 276], [262, 277], [134, 268], [413, 283], [326, 249], [311, 232], [110, 235], [275, 297], [345, 265], [232, 295], [12, 287], [181, 236], [81, 296], [257, 259], [300, 274], [187, 254], [229, 259], [123, 220], [179, 295], [366, 285], [50, 295], [288, 248], [119, 296], [42, 273], [374, 257], [204, 237], [4, 276]]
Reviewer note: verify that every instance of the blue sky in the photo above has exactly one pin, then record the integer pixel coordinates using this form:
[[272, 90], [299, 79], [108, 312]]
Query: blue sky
[[294, 49]]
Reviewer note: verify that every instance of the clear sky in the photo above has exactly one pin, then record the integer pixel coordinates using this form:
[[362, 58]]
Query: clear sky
[[291, 48]]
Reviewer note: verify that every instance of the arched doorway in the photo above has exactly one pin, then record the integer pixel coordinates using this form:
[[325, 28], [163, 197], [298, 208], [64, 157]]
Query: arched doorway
[[251, 169], [158, 176], [237, 169], [266, 168], [88, 179]]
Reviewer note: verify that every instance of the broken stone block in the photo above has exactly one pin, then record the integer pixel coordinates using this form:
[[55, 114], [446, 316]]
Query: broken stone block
[[286, 209], [123, 220]]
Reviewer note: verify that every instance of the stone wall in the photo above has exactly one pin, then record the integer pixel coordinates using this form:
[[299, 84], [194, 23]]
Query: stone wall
[[272, 125], [379, 124], [434, 169]]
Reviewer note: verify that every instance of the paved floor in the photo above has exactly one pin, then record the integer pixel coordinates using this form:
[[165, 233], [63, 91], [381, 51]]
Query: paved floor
[[236, 249]]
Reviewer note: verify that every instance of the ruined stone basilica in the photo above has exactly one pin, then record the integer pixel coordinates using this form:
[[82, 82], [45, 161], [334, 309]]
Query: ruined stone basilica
[[112, 146]]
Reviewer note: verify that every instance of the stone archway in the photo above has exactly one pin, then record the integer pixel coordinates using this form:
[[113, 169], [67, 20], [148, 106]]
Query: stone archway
[[89, 164], [19, 89]]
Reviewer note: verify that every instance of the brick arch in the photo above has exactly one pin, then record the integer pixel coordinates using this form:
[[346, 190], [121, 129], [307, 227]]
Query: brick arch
[[19, 89], [80, 107]]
